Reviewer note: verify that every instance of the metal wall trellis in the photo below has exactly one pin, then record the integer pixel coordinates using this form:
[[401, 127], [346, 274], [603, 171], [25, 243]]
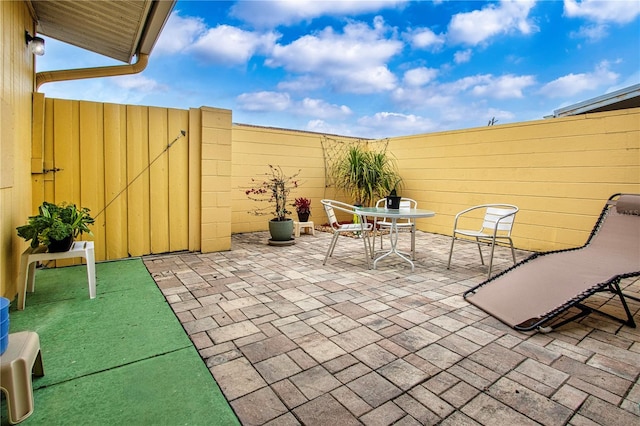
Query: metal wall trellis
[[334, 149]]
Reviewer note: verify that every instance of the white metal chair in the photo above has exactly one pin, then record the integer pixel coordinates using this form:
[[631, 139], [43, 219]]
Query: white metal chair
[[495, 229], [402, 224], [363, 227]]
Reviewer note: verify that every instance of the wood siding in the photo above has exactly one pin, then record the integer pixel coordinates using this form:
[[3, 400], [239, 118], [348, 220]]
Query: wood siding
[[115, 160], [16, 88]]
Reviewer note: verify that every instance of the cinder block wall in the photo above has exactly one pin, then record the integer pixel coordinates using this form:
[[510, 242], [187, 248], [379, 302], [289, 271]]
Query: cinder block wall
[[559, 172], [254, 148]]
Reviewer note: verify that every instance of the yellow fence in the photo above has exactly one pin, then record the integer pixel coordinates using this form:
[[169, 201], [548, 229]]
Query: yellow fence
[[115, 160], [150, 199]]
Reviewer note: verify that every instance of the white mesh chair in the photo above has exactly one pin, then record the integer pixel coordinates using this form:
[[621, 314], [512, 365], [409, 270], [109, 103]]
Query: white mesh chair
[[363, 227], [402, 224], [495, 229]]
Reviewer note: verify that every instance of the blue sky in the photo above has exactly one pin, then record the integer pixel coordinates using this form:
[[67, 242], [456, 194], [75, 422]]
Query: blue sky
[[374, 69]]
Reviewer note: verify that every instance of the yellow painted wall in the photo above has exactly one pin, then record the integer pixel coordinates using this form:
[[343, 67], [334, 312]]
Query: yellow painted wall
[[558, 172], [254, 148], [216, 171], [16, 86]]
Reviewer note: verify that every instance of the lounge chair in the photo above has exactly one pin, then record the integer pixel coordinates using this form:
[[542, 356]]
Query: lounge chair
[[536, 291]]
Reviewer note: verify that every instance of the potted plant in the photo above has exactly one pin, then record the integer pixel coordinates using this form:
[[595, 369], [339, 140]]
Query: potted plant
[[274, 189], [303, 208], [393, 199], [364, 175], [56, 226]]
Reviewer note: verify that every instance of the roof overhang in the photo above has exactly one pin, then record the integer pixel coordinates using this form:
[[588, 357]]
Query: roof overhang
[[628, 97], [117, 29]]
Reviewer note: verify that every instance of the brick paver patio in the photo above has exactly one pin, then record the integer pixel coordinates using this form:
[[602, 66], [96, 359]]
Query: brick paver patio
[[291, 341]]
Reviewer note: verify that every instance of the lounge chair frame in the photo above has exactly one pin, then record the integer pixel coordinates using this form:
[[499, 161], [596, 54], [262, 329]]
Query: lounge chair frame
[[544, 322]]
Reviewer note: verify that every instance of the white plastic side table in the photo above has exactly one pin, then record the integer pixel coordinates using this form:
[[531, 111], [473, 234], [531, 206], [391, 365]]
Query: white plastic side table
[[306, 226], [32, 255]]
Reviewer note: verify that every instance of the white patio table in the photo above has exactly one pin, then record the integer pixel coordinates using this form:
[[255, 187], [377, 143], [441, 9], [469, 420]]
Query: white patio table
[[394, 215]]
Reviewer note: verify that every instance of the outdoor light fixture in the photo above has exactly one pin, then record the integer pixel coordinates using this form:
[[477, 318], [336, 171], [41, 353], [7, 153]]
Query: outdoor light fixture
[[37, 43]]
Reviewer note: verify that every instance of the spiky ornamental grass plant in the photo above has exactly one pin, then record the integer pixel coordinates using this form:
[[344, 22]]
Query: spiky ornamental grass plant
[[364, 175]]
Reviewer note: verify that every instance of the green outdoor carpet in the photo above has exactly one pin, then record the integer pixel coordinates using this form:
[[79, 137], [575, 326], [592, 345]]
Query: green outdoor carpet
[[121, 358]]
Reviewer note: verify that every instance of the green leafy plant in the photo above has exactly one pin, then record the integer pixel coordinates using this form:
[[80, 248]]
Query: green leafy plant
[[56, 222], [365, 175], [274, 190]]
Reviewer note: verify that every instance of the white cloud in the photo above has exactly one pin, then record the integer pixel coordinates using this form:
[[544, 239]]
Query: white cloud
[[230, 45], [591, 32], [264, 101], [573, 84], [462, 56], [465, 83], [305, 83], [618, 11], [353, 61], [178, 34], [321, 109], [447, 95], [363, 81], [419, 76], [423, 38], [223, 44], [423, 97], [475, 27], [504, 87], [139, 83], [282, 12], [396, 124], [322, 126]]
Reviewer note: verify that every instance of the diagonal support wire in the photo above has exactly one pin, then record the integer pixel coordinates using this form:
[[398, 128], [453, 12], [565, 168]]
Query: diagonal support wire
[[166, 148]]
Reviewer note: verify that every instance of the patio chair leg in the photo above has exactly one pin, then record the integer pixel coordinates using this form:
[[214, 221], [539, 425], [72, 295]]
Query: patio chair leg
[[453, 240], [367, 250], [480, 250], [332, 245], [513, 252], [493, 247]]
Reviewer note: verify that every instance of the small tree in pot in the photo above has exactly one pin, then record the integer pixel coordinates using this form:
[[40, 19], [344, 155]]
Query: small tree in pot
[[274, 190]]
